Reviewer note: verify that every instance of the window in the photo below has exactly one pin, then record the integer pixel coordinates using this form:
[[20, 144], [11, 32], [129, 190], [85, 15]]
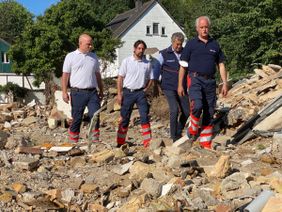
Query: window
[[148, 30], [4, 57], [155, 28], [163, 30]]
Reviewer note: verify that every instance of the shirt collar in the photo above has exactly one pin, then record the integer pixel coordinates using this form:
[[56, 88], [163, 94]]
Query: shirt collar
[[209, 39], [134, 59], [171, 50]]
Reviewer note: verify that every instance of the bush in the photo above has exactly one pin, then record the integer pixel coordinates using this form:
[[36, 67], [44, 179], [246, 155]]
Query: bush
[[18, 92]]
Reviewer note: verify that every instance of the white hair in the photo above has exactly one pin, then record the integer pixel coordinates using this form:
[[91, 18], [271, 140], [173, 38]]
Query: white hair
[[202, 17]]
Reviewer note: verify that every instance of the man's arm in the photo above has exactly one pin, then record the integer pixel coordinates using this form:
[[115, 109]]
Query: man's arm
[[100, 84], [181, 74], [119, 89], [223, 75], [64, 82]]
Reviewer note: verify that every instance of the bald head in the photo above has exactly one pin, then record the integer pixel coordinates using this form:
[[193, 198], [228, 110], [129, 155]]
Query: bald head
[[85, 43]]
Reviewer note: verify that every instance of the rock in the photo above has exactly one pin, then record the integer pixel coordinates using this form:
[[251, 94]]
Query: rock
[[89, 188], [199, 204], [133, 204], [54, 194], [277, 145], [14, 141], [235, 185], [52, 123], [75, 152], [267, 158], [139, 170], [29, 120], [7, 125], [30, 197], [121, 170], [103, 156], [274, 204], [156, 144], [19, 114], [27, 164], [223, 208], [271, 122], [274, 67], [3, 139], [67, 195], [247, 162], [123, 192], [112, 91], [77, 162], [19, 188], [206, 196], [29, 150], [5, 117], [93, 207], [151, 186], [222, 167], [6, 197]]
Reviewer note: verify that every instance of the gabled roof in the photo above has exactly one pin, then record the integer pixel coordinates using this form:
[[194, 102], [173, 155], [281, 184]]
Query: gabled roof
[[123, 21], [5, 42]]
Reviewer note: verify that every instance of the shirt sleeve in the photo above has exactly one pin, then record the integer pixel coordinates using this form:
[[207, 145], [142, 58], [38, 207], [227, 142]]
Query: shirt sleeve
[[185, 55], [151, 72], [122, 69], [97, 65], [221, 57], [158, 62], [67, 64]]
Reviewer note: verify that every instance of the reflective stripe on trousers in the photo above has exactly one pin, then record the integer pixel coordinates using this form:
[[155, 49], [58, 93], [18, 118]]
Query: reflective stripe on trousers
[[146, 134], [194, 125], [206, 136], [73, 136], [95, 135], [121, 134]]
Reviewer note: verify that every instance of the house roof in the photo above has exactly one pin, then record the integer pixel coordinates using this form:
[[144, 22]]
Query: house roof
[[123, 21], [5, 42]]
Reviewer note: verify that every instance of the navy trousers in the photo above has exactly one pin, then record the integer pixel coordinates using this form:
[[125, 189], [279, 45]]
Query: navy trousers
[[80, 99], [202, 95], [177, 105], [129, 99]]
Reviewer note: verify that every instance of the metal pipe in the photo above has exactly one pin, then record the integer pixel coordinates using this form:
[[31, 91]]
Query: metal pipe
[[259, 202]]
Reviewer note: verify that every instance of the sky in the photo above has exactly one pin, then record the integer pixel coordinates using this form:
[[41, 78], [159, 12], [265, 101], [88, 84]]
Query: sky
[[37, 7]]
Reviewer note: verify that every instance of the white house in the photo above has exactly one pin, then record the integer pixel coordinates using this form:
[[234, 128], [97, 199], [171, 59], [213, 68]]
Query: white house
[[150, 22]]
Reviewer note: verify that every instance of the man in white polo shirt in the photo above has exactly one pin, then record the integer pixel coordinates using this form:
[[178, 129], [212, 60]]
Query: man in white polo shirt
[[81, 71], [134, 78]]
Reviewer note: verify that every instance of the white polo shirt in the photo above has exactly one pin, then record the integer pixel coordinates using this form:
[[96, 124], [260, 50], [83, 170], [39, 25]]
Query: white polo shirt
[[136, 73], [82, 68]]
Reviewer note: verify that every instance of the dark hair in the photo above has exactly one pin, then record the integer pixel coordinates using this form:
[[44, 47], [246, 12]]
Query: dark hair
[[136, 44]]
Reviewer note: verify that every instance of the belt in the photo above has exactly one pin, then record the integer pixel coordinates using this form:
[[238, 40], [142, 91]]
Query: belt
[[133, 90], [197, 74], [83, 89]]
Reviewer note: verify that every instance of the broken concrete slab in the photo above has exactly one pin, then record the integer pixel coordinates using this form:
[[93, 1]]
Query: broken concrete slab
[[27, 164]]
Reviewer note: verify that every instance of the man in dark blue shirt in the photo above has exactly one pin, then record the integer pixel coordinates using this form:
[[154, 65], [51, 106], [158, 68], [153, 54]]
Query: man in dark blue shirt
[[168, 66], [203, 55]]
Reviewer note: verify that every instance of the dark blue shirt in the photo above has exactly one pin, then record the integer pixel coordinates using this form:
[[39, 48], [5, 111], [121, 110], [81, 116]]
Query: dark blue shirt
[[202, 57], [168, 67]]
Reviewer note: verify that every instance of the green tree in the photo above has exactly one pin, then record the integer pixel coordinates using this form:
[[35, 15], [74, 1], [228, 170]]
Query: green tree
[[42, 47], [13, 20]]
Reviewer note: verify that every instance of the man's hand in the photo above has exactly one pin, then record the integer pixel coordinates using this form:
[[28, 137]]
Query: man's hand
[[66, 97], [224, 89], [119, 99], [180, 91], [101, 94]]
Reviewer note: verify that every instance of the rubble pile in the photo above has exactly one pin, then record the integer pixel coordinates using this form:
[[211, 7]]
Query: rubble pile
[[248, 96], [41, 171]]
